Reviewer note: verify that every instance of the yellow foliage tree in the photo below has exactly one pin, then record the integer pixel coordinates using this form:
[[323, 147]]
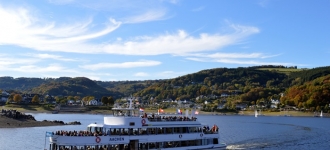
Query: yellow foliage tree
[[35, 99], [17, 98]]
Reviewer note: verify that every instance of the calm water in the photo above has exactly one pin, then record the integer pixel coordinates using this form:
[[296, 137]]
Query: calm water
[[239, 132]]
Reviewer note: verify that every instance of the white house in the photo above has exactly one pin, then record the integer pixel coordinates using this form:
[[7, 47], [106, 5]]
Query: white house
[[70, 102], [274, 103], [94, 102], [3, 99]]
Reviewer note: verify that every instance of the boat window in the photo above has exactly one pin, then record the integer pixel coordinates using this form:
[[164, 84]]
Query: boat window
[[144, 131], [185, 130], [124, 131], [176, 143], [143, 146], [160, 131], [184, 143], [215, 141], [130, 131], [132, 124], [169, 130], [114, 131], [151, 130], [163, 130], [177, 130], [154, 145]]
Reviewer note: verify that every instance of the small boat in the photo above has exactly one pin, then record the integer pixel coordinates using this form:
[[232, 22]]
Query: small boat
[[129, 128], [256, 113]]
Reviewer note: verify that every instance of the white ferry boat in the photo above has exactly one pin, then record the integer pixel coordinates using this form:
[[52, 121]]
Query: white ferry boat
[[130, 129]]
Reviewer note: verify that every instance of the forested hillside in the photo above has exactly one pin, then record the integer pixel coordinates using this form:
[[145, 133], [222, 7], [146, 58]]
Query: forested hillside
[[214, 81], [79, 86], [251, 85], [311, 94]]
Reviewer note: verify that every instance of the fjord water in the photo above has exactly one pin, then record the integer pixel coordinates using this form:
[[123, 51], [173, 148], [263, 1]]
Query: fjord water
[[239, 132]]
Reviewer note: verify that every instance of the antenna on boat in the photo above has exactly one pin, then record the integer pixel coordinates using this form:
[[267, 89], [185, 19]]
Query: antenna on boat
[[130, 102]]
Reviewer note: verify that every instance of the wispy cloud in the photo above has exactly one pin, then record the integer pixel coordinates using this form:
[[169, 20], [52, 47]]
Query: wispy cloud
[[170, 74], [233, 55], [8, 60], [141, 74], [23, 29], [180, 43], [237, 58], [150, 15], [141, 63], [50, 56]]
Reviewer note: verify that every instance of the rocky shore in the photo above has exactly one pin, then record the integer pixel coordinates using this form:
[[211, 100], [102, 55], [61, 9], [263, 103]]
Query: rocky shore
[[16, 119]]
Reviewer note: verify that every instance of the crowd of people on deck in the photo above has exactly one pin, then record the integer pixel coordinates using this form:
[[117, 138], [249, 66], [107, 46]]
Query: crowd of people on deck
[[91, 148], [154, 117], [79, 133], [214, 129]]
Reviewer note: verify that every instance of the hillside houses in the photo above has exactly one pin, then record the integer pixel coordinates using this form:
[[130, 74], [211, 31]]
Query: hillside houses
[[4, 96], [274, 103], [27, 98]]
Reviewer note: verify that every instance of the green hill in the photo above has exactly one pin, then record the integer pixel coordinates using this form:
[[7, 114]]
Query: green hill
[[256, 84]]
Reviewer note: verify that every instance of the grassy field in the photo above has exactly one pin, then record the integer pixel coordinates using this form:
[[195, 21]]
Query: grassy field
[[29, 108], [282, 70]]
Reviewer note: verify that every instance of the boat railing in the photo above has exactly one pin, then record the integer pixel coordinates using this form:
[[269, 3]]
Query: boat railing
[[85, 133], [169, 118]]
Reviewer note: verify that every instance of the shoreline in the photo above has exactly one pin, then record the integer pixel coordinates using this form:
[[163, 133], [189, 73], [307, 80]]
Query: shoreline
[[242, 113], [6, 122], [171, 111]]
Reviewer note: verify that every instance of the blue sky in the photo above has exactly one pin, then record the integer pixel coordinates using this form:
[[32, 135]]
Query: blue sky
[[115, 40]]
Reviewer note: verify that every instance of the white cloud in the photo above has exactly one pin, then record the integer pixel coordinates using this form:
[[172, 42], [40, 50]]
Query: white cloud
[[141, 63], [39, 69], [24, 29], [50, 56], [141, 74], [150, 15], [238, 61], [180, 43], [232, 55], [20, 27], [7, 60]]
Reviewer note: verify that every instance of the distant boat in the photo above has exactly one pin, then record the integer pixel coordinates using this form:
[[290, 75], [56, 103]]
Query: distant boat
[[320, 115], [256, 113]]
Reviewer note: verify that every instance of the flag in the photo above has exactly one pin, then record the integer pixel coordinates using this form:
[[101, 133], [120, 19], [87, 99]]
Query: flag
[[141, 109], [179, 111], [49, 134]]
